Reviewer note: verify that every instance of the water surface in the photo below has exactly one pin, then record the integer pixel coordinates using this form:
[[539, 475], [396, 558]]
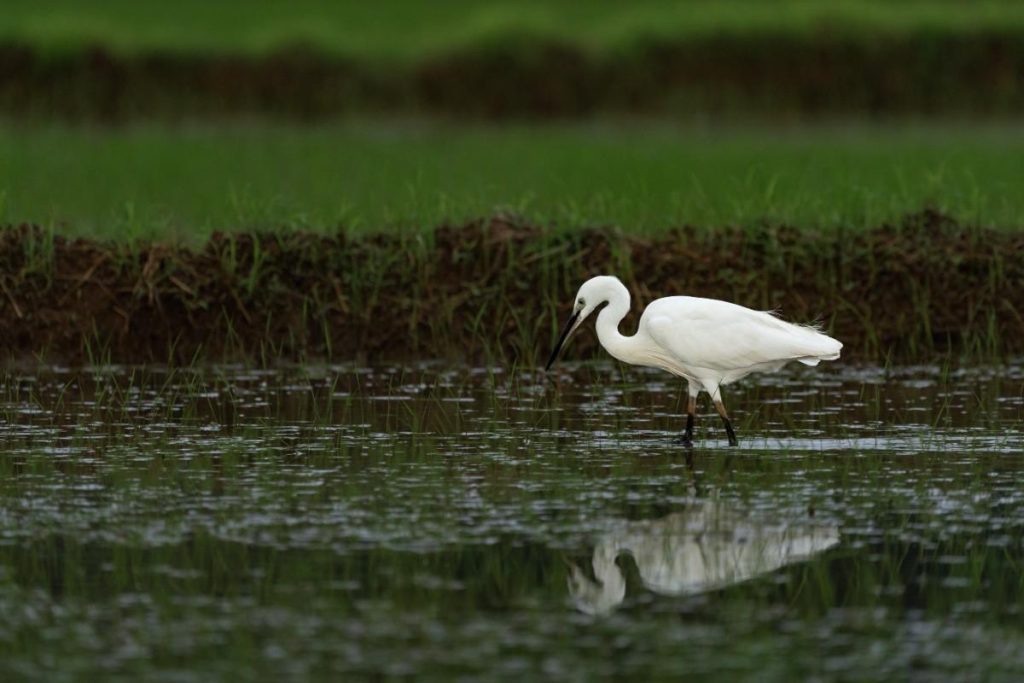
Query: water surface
[[430, 522]]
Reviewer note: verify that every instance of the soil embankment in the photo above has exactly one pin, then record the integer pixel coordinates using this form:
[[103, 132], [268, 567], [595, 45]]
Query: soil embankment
[[760, 74], [494, 289]]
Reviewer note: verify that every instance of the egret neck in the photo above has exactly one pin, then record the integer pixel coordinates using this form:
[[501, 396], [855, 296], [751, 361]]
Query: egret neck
[[618, 345]]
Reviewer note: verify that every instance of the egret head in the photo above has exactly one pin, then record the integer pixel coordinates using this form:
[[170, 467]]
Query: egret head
[[594, 293]]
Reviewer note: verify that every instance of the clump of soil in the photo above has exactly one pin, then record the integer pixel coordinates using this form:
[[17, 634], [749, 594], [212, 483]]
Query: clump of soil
[[495, 289]]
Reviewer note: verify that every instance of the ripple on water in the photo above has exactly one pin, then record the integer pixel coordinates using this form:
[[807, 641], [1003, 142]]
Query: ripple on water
[[427, 520]]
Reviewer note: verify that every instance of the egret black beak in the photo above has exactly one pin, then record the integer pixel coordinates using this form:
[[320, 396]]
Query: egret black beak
[[570, 325]]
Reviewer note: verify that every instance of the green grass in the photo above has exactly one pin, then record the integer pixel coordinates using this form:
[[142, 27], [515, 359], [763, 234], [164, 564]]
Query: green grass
[[182, 183], [407, 29]]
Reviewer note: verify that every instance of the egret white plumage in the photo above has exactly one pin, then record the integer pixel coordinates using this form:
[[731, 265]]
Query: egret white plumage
[[707, 342]]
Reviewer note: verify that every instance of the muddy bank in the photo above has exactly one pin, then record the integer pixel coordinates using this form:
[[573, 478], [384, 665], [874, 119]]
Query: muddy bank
[[495, 290], [753, 74]]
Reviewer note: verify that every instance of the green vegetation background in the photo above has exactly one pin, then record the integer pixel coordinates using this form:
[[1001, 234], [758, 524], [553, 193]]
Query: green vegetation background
[[184, 182], [183, 179], [404, 29]]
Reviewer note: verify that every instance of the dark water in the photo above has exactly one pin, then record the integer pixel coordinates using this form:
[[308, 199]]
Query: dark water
[[337, 523]]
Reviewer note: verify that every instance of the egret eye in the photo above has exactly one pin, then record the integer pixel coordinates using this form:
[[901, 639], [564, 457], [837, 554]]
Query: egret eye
[[581, 303]]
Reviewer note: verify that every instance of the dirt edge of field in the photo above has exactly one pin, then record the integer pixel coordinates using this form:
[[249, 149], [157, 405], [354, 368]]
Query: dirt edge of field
[[494, 289]]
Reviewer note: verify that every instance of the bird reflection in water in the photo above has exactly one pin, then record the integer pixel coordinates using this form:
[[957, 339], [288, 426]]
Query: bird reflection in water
[[703, 548]]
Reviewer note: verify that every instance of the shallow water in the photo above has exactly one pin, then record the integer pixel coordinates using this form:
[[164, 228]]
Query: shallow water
[[430, 522]]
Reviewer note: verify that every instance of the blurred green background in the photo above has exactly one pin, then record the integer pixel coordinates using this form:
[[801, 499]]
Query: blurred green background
[[408, 30], [143, 119]]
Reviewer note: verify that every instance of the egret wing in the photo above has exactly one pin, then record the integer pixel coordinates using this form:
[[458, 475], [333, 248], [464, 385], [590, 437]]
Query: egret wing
[[724, 337]]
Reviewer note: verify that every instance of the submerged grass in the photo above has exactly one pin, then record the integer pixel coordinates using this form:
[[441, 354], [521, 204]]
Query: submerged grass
[[182, 183]]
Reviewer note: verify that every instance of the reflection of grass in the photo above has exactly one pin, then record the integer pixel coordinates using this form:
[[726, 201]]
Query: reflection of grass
[[185, 182], [408, 29]]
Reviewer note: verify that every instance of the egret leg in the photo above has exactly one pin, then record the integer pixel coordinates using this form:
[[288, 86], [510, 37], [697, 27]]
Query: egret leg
[[691, 412], [720, 407]]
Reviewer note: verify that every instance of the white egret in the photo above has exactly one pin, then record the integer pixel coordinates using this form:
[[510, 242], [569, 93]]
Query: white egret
[[707, 342]]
